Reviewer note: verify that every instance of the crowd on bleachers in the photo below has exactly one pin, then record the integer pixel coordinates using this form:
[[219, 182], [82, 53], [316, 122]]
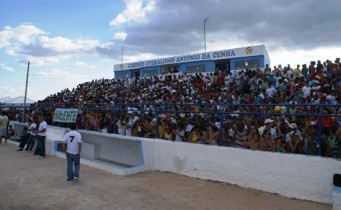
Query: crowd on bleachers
[[271, 109]]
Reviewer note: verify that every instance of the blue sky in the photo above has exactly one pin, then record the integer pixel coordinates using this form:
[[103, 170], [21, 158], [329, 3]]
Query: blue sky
[[70, 42]]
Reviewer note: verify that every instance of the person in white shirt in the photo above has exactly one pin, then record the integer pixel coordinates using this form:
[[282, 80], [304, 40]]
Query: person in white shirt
[[73, 142], [121, 127], [129, 122], [40, 148], [32, 138], [3, 126], [270, 91], [306, 90]]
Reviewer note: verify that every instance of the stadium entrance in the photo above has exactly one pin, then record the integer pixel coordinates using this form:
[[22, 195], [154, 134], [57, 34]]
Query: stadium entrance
[[232, 60]]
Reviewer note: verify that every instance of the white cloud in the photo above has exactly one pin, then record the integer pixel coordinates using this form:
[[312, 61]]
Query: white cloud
[[46, 60], [120, 36], [33, 44], [135, 11], [11, 91], [80, 64], [63, 45], [83, 64], [24, 34], [302, 56], [3, 67], [65, 76]]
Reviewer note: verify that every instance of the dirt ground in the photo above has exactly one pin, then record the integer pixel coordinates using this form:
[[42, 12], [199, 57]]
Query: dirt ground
[[27, 182]]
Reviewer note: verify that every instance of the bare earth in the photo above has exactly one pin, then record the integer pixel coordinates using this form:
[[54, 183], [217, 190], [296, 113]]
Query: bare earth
[[30, 183]]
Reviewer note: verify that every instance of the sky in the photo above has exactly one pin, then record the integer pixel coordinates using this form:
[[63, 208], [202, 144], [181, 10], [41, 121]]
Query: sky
[[71, 42]]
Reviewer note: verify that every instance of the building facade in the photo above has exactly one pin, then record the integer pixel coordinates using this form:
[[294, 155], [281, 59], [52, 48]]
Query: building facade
[[233, 60]]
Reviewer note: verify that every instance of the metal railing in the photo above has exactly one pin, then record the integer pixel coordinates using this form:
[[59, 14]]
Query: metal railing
[[221, 114]]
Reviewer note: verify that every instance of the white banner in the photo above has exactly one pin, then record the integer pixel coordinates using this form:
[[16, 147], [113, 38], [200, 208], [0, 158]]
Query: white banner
[[65, 115], [214, 55]]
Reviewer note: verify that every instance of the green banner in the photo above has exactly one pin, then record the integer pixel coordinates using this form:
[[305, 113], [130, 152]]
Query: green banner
[[65, 115]]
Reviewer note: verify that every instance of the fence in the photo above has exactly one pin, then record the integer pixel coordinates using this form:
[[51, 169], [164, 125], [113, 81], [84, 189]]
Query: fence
[[205, 117]]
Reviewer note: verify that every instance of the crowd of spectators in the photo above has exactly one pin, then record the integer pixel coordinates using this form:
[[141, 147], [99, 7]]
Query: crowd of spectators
[[274, 109]]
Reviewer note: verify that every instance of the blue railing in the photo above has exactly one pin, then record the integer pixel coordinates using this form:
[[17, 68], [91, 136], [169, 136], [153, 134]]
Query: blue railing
[[224, 113]]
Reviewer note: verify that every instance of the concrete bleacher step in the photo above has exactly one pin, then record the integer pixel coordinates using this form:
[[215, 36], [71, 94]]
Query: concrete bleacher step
[[114, 163], [109, 166]]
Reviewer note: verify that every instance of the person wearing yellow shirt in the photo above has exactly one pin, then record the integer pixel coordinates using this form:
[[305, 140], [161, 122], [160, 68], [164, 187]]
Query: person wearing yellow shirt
[[297, 71]]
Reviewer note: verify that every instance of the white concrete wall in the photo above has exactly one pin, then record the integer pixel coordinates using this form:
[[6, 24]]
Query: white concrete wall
[[337, 198], [295, 176], [113, 147]]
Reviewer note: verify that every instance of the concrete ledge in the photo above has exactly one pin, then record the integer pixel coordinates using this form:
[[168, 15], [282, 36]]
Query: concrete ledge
[[337, 198], [115, 169]]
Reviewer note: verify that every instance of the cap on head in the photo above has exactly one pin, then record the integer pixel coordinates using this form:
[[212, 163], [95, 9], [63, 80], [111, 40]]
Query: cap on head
[[268, 121], [293, 126]]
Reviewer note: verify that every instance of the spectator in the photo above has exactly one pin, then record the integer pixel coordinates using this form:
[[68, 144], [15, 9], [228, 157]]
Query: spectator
[[32, 129], [10, 132], [3, 126], [25, 135], [267, 141], [40, 148]]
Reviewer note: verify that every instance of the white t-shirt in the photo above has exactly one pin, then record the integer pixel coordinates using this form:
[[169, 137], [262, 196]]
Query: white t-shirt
[[179, 134], [42, 125], [32, 129], [121, 128], [129, 127], [306, 91], [71, 139]]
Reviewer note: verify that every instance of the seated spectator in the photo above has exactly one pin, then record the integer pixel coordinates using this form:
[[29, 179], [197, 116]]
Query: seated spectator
[[10, 132], [213, 135], [278, 146], [23, 139], [194, 136], [294, 140], [332, 147], [240, 135], [253, 139], [266, 141]]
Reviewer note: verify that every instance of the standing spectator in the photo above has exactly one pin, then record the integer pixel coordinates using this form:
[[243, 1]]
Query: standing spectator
[[240, 134], [306, 90], [32, 129], [267, 141], [332, 143], [3, 126], [213, 135], [180, 132], [73, 141], [129, 122], [294, 139], [40, 148], [268, 125], [305, 71], [253, 139], [10, 132]]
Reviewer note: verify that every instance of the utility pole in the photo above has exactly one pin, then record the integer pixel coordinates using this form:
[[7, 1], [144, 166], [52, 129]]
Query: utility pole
[[122, 53], [205, 20], [28, 70]]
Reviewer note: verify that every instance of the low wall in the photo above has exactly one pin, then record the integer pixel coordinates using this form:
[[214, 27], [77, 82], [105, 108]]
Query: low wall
[[113, 148], [18, 128], [295, 176]]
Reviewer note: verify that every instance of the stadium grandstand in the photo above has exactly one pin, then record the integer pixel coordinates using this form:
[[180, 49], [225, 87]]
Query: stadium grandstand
[[228, 98]]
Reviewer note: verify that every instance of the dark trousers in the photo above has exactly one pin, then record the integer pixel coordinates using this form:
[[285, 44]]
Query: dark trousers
[[40, 148], [23, 140], [72, 160], [30, 143]]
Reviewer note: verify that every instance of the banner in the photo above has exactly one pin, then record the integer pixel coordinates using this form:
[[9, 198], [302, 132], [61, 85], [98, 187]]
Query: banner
[[65, 115]]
